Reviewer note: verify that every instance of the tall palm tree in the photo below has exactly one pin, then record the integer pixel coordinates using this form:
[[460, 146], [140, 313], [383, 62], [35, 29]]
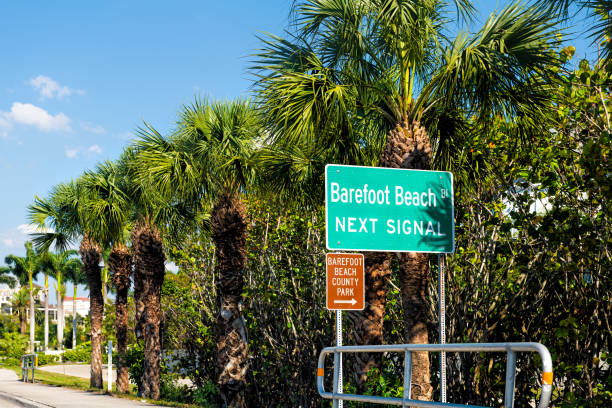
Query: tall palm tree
[[109, 204], [380, 76], [207, 160], [22, 267], [66, 214], [77, 277], [59, 265]]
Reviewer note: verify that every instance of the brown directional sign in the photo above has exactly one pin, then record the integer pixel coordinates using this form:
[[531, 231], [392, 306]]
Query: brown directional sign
[[345, 282]]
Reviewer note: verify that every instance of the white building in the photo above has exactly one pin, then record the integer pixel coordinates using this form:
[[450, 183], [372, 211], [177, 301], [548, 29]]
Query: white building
[[82, 306], [6, 294]]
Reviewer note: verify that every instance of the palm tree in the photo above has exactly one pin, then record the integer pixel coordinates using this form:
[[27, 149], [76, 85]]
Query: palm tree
[[77, 277], [22, 267], [59, 265], [379, 76], [109, 205], [207, 160], [20, 302], [6, 278], [66, 213], [148, 213]]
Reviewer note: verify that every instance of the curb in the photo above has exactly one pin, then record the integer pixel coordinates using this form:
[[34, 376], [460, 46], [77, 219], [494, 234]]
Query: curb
[[22, 402]]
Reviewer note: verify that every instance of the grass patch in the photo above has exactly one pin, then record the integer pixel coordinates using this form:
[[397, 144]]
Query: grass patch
[[61, 380]]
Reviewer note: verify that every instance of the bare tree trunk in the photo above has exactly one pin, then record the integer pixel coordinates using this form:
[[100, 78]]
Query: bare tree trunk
[[23, 321], [229, 233], [414, 273], [149, 263], [90, 254], [120, 263], [408, 147], [368, 323]]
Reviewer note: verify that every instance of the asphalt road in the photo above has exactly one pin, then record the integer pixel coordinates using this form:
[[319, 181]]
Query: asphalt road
[[14, 393]]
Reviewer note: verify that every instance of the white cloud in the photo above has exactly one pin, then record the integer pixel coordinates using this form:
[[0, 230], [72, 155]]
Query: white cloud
[[8, 242], [28, 114], [72, 153], [30, 229], [49, 88], [94, 149], [92, 128], [15, 237]]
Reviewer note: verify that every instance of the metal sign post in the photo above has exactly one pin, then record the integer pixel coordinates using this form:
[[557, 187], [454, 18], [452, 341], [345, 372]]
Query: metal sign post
[[442, 325], [338, 361]]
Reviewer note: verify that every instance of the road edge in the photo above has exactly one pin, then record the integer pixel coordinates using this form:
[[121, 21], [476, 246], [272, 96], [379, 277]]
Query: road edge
[[22, 401]]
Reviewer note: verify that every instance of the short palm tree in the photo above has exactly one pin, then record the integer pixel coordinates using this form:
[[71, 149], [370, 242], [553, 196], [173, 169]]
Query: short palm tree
[[66, 215], [26, 268], [20, 303], [149, 216], [207, 160], [77, 277], [379, 78], [59, 265], [109, 205]]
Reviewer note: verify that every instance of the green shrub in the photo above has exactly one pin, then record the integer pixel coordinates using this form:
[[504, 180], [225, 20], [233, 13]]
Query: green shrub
[[13, 345], [44, 359], [10, 362], [82, 354], [78, 356]]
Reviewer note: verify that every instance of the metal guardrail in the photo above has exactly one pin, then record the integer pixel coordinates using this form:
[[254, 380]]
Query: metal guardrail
[[28, 361], [510, 348]]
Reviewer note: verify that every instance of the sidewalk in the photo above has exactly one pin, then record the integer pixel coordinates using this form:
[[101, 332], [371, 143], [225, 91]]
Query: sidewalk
[[76, 370], [14, 393]]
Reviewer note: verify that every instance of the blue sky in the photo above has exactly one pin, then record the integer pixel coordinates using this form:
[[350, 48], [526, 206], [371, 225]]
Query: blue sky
[[78, 77]]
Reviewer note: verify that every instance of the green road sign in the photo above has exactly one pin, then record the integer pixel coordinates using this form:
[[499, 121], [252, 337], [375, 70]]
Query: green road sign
[[382, 209]]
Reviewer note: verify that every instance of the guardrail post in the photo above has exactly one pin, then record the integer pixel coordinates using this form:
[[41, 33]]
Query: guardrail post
[[407, 376], [33, 367], [510, 379], [22, 370]]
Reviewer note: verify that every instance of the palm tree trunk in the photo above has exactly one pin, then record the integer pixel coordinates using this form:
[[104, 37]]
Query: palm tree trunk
[[120, 262], [368, 323], [23, 321], [104, 284], [74, 317], [408, 147], [32, 327], [90, 255], [60, 320], [414, 274], [46, 312], [149, 262], [229, 234]]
